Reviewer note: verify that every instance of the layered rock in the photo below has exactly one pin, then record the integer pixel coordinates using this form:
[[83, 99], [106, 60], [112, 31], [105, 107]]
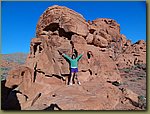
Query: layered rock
[[46, 71]]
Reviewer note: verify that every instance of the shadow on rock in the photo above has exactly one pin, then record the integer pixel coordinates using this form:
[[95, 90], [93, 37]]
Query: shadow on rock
[[9, 98], [53, 107]]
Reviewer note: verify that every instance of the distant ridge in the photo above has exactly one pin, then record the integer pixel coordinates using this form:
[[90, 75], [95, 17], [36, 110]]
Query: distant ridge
[[15, 57]]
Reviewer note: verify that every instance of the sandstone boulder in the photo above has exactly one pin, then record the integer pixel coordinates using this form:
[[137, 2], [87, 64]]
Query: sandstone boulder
[[89, 38], [20, 76], [78, 39], [128, 43], [107, 28], [100, 41], [140, 42], [62, 17], [130, 97]]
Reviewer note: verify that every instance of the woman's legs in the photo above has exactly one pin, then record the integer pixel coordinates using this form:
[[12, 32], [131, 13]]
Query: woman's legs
[[76, 77], [71, 78]]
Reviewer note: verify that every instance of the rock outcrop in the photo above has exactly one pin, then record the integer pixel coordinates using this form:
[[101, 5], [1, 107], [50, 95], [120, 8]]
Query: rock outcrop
[[44, 75], [134, 54], [63, 17]]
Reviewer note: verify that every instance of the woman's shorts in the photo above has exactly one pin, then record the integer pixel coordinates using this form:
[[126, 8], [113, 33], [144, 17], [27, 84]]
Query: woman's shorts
[[74, 70]]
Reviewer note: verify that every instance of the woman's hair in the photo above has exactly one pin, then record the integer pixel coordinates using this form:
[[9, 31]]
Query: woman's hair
[[75, 52], [74, 56]]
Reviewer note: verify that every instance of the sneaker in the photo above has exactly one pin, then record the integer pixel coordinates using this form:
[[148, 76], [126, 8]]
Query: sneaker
[[70, 83], [79, 83]]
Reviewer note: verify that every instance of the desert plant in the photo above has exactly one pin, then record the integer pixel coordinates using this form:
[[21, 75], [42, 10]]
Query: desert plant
[[142, 101], [5, 69], [126, 70], [4, 72], [3, 76]]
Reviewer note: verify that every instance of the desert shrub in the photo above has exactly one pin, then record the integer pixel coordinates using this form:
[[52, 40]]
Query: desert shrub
[[126, 70], [3, 76], [142, 101], [140, 66], [4, 72], [5, 68]]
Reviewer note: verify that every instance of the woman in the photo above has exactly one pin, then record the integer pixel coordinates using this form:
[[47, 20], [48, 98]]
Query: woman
[[73, 66]]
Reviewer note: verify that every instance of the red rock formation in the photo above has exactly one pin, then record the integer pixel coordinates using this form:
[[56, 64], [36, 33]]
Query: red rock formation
[[62, 29], [63, 17], [132, 55]]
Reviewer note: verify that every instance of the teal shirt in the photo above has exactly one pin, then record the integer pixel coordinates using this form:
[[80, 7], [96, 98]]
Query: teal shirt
[[73, 62]]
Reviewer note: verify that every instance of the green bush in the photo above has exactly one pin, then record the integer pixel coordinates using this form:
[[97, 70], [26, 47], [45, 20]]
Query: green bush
[[4, 72], [5, 68], [3, 76]]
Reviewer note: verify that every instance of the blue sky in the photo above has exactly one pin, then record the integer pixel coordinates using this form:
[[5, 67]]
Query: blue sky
[[19, 20]]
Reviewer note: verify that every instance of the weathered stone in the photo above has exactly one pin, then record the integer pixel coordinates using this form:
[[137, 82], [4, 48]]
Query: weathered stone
[[130, 97], [62, 17], [128, 43], [107, 28], [62, 30], [100, 41], [78, 39], [89, 38]]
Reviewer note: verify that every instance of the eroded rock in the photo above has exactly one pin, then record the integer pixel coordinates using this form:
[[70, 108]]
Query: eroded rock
[[46, 71]]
